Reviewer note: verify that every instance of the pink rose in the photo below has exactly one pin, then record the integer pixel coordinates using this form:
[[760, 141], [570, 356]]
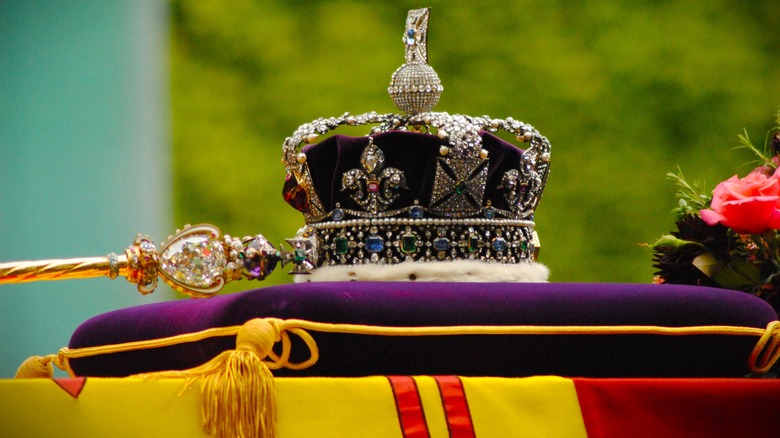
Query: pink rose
[[747, 205]]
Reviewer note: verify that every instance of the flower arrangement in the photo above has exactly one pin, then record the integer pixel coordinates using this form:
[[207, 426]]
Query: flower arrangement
[[728, 238]]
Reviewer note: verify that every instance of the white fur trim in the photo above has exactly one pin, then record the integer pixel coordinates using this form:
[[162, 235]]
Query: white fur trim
[[458, 271]]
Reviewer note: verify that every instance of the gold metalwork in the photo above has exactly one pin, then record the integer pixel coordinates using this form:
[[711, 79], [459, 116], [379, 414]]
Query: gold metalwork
[[58, 269], [112, 266]]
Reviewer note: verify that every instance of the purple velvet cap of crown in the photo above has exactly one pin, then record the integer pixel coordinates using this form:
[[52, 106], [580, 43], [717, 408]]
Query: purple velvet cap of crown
[[448, 304], [413, 153]]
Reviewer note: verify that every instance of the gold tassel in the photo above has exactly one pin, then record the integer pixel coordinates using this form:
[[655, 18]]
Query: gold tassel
[[237, 387], [36, 367]]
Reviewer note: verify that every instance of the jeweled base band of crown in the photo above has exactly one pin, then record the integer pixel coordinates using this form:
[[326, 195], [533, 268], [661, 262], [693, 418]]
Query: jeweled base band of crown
[[395, 240]]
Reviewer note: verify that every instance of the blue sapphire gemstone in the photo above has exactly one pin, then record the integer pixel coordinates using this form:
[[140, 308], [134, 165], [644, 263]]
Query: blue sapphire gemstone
[[416, 212], [375, 243], [499, 244], [337, 214], [409, 37], [490, 213], [441, 244]]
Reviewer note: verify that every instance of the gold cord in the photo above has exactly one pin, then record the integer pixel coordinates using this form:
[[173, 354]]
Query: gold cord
[[767, 350], [764, 355]]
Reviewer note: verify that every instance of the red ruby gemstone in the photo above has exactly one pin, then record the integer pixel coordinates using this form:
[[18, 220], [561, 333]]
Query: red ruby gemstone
[[294, 194]]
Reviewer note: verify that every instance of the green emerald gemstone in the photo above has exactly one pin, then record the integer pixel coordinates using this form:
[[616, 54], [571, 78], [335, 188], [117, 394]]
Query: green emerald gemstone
[[408, 243], [299, 255], [341, 245], [461, 187], [524, 245], [473, 243]]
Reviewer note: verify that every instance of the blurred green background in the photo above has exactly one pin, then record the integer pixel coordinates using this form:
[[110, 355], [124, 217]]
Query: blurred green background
[[624, 90]]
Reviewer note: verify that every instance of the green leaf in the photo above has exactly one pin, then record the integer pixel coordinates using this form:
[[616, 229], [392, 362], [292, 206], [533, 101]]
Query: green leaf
[[706, 263], [692, 197], [737, 274], [745, 143]]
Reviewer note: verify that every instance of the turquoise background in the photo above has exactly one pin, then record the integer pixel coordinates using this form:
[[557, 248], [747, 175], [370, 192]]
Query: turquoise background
[[84, 156]]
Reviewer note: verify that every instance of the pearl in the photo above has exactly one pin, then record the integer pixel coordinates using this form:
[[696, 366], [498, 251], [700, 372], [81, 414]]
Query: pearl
[[444, 150], [483, 153], [301, 158]]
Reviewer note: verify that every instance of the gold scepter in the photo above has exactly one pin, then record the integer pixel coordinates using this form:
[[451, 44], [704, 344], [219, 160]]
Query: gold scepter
[[195, 261]]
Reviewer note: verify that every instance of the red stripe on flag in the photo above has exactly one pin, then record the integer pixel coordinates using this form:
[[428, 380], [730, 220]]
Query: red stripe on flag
[[679, 408], [411, 415], [456, 407]]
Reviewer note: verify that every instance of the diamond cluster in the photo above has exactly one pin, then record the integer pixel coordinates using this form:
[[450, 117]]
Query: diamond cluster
[[196, 261], [415, 88]]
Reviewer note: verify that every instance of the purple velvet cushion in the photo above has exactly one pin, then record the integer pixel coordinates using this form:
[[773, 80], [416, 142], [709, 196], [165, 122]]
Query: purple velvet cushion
[[445, 304]]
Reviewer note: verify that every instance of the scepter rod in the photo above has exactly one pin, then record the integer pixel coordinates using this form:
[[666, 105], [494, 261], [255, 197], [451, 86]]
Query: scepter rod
[[60, 269]]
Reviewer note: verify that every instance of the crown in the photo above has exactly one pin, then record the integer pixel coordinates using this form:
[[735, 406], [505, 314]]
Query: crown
[[422, 185]]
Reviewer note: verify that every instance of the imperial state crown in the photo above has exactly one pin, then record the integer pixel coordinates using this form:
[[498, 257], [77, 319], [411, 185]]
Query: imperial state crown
[[422, 186]]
